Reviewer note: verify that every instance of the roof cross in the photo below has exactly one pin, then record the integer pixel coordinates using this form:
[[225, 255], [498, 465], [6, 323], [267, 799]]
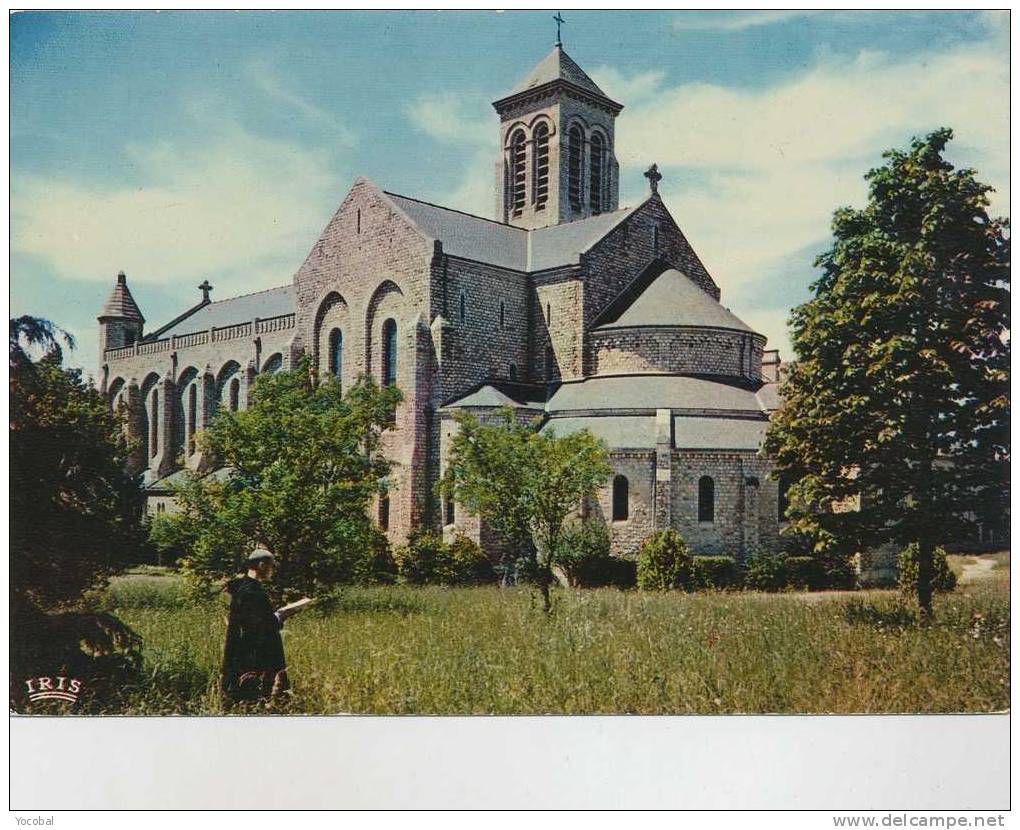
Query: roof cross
[[205, 288], [559, 22], [654, 177]]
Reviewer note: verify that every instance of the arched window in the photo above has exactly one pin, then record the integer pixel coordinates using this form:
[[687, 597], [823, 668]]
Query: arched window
[[621, 499], [384, 512], [451, 514], [235, 395], [463, 307], [549, 363], [575, 145], [513, 371], [706, 499], [502, 314], [154, 430], [336, 353], [518, 160], [540, 165], [598, 173], [192, 412], [389, 352]]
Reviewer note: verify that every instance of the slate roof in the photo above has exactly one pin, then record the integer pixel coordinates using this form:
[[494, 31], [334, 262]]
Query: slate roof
[[468, 236], [167, 483], [769, 397], [652, 392], [270, 303], [498, 393], [619, 431], [563, 244], [496, 243], [673, 299], [718, 433], [556, 66], [120, 303]]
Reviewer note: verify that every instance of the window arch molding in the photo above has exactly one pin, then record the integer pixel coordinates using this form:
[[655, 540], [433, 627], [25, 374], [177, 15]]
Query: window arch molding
[[332, 312]]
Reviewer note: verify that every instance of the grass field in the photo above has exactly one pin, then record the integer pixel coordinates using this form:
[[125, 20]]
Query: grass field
[[409, 650]]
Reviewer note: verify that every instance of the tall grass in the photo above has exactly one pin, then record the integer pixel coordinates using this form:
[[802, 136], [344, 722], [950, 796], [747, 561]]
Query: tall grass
[[410, 650]]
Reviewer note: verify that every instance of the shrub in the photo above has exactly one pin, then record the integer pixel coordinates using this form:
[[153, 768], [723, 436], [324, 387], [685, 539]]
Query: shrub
[[718, 572], [468, 563], [664, 562], [943, 578], [803, 572], [766, 572], [376, 566], [424, 560], [583, 555]]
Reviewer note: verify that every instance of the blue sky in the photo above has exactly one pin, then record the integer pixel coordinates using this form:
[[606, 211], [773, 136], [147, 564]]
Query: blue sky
[[182, 146]]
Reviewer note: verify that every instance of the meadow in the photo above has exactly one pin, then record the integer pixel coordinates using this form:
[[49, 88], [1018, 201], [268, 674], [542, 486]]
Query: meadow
[[407, 650]]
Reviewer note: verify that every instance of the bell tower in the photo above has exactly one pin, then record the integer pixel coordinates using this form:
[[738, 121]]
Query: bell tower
[[557, 138]]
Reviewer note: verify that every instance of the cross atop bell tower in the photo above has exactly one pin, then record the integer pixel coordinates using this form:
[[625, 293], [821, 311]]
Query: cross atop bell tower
[[557, 134]]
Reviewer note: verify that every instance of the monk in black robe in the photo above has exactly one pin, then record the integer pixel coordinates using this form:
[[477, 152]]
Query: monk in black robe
[[254, 667]]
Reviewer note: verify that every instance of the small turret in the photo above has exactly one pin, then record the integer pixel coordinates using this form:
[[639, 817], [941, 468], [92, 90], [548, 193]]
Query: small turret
[[120, 321]]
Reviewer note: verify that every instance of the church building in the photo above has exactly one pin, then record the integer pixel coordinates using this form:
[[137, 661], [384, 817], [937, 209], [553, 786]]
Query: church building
[[574, 311]]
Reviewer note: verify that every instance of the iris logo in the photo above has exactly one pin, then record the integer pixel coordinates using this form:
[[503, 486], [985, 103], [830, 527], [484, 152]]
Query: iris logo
[[54, 688]]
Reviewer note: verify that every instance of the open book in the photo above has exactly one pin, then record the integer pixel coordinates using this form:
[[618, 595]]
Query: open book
[[293, 608]]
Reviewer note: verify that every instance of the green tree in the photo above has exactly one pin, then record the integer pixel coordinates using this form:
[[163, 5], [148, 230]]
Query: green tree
[[899, 392], [524, 484], [301, 465], [75, 513]]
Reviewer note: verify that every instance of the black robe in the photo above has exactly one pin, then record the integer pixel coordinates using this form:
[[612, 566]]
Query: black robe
[[253, 663]]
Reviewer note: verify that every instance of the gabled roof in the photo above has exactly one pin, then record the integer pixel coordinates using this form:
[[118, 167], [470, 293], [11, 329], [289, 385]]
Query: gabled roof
[[503, 245], [496, 393], [120, 303], [563, 244], [557, 66], [466, 235], [669, 298], [272, 302]]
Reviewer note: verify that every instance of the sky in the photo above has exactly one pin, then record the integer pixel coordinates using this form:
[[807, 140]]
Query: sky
[[185, 146]]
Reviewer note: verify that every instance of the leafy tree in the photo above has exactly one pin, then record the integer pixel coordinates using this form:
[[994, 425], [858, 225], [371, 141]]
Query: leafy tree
[[301, 466], [899, 393], [75, 513], [524, 484], [28, 331]]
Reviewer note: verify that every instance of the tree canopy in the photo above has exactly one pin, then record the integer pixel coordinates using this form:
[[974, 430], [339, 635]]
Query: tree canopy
[[74, 511], [524, 484], [300, 465], [898, 395]]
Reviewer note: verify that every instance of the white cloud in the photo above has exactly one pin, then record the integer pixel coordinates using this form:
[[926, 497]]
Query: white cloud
[[753, 176], [734, 21], [451, 118], [240, 209], [629, 89]]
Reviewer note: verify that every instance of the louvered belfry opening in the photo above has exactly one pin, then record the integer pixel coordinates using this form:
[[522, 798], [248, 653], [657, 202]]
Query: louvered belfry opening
[[518, 163], [575, 142], [541, 166], [598, 167]]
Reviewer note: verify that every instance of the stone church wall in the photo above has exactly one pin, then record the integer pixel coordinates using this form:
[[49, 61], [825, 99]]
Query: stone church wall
[[676, 350], [557, 319], [478, 345]]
